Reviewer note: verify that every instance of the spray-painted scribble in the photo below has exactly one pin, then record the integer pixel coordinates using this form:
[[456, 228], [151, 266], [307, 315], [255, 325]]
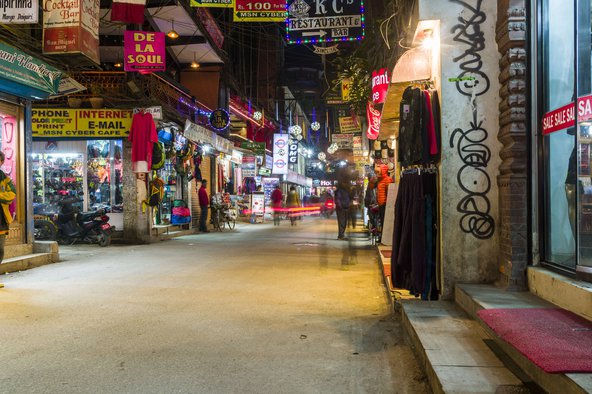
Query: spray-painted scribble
[[471, 143], [473, 179], [469, 32]]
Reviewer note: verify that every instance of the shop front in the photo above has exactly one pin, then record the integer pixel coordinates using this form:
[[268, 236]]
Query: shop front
[[77, 155], [563, 75], [23, 79]]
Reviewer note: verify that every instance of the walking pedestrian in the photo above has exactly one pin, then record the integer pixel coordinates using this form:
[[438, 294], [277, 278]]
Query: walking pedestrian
[[204, 202], [293, 203], [276, 204], [342, 203], [7, 196]]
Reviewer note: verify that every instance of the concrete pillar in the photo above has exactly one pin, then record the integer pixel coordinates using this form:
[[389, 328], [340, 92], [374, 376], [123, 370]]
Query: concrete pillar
[[136, 224], [470, 149]]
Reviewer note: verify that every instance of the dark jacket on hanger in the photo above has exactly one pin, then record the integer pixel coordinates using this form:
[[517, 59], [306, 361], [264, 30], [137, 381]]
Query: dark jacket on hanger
[[410, 147]]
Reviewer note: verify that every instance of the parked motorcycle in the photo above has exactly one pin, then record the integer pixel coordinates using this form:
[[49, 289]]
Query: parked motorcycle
[[69, 226]]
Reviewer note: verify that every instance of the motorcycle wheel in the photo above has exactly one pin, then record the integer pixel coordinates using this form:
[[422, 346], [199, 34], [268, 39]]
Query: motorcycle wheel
[[44, 230], [104, 238]]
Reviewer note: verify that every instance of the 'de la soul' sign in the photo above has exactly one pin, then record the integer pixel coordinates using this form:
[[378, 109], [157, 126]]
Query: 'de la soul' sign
[[144, 51]]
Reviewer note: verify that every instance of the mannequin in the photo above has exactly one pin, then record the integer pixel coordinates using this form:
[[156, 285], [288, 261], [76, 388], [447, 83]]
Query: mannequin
[[570, 185]]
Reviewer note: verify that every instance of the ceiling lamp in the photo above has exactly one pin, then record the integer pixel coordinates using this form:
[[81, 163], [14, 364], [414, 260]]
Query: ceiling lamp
[[315, 126], [257, 115], [172, 33], [322, 156], [194, 63]]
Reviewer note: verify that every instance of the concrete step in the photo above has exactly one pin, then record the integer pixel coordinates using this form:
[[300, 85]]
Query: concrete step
[[25, 262], [472, 298], [453, 350]]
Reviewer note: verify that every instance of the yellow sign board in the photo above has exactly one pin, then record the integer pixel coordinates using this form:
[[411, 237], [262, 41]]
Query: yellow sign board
[[345, 89], [81, 123]]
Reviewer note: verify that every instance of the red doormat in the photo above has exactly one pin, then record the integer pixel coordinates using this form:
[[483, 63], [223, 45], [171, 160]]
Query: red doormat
[[556, 340]]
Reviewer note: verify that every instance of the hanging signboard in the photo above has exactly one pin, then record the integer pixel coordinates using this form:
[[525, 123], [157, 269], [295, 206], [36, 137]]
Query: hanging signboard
[[77, 123], [22, 68], [144, 51], [345, 89], [312, 21], [325, 50], [258, 148], [19, 12], [249, 166], [155, 111], [348, 124], [71, 27], [343, 141], [211, 3], [293, 153], [373, 115], [280, 154], [380, 82], [259, 11], [219, 119]]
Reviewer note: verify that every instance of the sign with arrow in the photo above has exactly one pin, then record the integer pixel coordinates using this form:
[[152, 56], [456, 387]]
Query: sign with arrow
[[313, 21]]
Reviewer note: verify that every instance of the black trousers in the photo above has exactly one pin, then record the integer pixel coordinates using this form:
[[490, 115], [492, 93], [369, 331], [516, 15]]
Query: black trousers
[[341, 221], [203, 217]]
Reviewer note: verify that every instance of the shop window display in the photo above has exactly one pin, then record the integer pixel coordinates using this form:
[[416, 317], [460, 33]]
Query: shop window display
[[56, 177], [104, 181]]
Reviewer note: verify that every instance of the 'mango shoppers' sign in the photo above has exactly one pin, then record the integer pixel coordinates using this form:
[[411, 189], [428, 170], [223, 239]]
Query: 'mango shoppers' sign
[[81, 123]]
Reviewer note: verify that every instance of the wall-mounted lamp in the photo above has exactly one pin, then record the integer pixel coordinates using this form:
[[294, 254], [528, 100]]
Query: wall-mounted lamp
[[428, 40], [172, 33]]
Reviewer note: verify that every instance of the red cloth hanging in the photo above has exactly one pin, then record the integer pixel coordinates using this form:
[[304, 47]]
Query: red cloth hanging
[[142, 136]]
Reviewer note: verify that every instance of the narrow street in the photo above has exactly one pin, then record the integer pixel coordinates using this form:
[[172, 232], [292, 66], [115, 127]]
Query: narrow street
[[261, 309]]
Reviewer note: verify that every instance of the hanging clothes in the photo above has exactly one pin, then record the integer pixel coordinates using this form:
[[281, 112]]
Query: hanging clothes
[[410, 144], [142, 136]]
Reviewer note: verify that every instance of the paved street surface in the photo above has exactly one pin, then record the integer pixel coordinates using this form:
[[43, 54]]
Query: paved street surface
[[261, 309]]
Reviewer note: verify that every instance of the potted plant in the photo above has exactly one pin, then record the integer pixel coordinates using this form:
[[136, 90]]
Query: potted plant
[[74, 102], [96, 99]]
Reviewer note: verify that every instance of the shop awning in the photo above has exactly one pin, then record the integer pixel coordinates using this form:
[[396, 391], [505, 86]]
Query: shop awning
[[26, 76]]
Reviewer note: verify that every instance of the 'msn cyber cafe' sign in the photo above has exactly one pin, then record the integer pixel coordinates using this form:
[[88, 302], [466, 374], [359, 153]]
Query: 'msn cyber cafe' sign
[[81, 123], [380, 82], [144, 51], [71, 26], [259, 11], [564, 117]]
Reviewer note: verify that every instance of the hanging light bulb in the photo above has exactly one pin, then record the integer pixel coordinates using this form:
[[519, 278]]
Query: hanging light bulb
[[172, 33], [315, 126], [194, 63]]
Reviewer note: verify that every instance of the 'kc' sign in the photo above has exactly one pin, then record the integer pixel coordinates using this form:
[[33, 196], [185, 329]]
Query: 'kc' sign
[[312, 21]]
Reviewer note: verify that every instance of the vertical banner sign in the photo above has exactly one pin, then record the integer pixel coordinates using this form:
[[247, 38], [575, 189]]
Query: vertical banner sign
[[293, 153], [380, 82], [211, 3], [345, 89], [71, 27], [280, 154], [144, 51], [259, 11], [312, 21], [373, 116], [19, 12]]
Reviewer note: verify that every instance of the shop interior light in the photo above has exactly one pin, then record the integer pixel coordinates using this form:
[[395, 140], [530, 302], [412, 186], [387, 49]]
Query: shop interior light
[[172, 33]]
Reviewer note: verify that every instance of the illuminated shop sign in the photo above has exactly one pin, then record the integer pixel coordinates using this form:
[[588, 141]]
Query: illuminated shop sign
[[80, 123], [312, 21]]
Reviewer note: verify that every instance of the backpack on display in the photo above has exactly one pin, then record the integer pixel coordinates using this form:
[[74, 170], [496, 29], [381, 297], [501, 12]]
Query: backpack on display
[[158, 156], [155, 193]]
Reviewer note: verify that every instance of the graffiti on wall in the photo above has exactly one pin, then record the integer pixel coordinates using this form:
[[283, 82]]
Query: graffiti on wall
[[471, 141]]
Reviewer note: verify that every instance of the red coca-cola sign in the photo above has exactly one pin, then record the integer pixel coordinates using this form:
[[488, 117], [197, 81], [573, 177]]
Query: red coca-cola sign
[[380, 82], [373, 116]]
